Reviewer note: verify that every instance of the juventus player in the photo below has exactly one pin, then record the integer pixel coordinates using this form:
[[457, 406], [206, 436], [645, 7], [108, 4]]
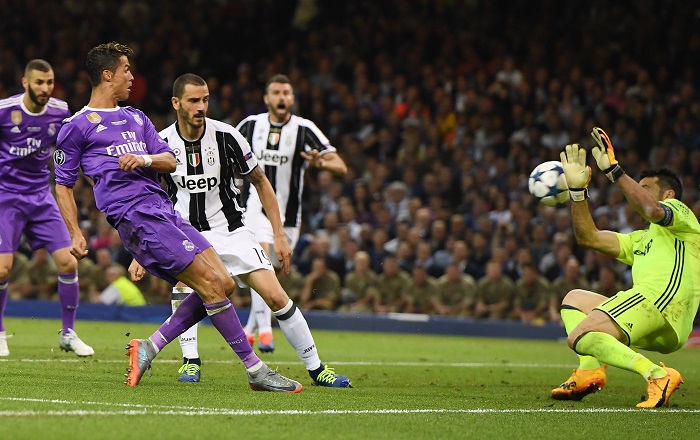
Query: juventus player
[[208, 152], [29, 125], [286, 145]]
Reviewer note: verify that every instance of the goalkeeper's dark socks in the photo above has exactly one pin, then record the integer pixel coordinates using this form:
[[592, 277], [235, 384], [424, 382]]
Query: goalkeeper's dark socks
[[314, 373], [196, 361]]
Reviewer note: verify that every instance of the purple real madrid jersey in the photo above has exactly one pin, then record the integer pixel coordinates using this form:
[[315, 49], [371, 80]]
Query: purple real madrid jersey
[[26, 140], [94, 139]]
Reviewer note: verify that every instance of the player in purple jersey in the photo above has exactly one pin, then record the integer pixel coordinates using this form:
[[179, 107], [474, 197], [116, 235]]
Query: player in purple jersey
[[29, 123], [120, 150]]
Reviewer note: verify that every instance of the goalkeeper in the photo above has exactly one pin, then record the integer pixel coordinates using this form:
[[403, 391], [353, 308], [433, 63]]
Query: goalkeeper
[[656, 314]]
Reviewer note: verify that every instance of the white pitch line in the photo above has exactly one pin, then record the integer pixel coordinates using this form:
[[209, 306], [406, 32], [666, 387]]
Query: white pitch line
[[241, 412], [350, 363], [138, 409]]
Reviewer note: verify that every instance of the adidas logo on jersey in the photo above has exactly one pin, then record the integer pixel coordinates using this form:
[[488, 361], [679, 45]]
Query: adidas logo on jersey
[[101, 128], [15, 129]]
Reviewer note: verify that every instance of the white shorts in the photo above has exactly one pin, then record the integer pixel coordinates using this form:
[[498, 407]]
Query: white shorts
[[239, 250], [262, 227]]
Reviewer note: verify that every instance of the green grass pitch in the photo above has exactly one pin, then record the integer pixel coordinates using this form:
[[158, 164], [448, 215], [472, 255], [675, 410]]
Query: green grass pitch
[[405, 387]]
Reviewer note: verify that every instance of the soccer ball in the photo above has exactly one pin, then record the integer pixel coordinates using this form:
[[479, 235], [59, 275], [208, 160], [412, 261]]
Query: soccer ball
[[548, 184]]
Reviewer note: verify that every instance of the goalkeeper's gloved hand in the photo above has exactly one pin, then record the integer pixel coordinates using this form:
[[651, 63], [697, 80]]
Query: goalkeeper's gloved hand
[[577, 173], [604, 155]]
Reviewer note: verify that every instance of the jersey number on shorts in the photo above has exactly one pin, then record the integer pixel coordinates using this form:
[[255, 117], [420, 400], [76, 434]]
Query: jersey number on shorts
[[262, 256]]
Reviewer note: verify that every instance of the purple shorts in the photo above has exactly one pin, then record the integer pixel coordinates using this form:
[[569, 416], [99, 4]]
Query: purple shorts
[[37, 216], [159, 239]]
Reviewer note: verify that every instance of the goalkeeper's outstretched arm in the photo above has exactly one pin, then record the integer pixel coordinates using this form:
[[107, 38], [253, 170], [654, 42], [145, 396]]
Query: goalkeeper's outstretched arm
[[640, 199], [578, 176]]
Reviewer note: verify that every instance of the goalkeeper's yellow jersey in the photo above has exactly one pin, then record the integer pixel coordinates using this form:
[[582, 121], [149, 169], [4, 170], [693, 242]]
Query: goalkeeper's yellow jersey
[[665, 263]]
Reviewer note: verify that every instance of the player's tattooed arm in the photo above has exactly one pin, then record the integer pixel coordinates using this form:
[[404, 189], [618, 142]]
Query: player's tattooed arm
[[269, 202], [257, 177]]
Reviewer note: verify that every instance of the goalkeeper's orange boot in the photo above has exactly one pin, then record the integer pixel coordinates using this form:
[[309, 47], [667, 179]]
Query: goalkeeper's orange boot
[[660, 390], [581, 384]]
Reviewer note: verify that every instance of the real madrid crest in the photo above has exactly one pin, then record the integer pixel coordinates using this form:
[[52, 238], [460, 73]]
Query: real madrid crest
[[94, 117], [16, 117], [52, 129]]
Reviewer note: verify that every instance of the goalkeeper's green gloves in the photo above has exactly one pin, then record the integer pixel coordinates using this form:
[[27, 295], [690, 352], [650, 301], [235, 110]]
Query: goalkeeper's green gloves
[[577, 173], [604, 155]]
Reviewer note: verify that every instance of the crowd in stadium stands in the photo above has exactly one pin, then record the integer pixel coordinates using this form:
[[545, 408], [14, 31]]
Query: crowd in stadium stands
[[440, 109]]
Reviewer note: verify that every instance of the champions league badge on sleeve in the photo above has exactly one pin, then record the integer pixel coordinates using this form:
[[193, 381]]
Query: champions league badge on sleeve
[[59, 157]]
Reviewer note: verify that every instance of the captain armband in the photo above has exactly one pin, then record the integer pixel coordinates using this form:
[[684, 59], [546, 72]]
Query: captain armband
[[668, 216]]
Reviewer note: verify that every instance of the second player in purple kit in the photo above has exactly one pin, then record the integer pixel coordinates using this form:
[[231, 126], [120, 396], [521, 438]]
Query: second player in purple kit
[[120, 150], [29, 123]]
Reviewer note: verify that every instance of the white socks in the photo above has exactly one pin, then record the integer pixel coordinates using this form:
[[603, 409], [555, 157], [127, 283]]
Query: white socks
[[188, 340]]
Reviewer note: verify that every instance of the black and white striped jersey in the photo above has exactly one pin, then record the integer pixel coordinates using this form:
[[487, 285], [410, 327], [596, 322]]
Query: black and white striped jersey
[[202, 187], [278, 148]]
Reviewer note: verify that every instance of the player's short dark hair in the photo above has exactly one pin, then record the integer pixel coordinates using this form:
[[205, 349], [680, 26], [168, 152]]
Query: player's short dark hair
[[183, 80], [667, 179], [105, 57], [278, 78], [37, 64]]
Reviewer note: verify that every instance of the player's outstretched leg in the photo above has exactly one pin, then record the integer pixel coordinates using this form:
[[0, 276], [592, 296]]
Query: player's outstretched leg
[[266, 379], [191, 369], [659, 390], [581, 383], [141, 353]]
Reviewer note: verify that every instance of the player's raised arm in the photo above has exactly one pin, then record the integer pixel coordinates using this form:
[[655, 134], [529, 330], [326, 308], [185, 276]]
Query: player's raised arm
[[269, 202], [330, 161], [69, 212], [578, 175], [640, 199]]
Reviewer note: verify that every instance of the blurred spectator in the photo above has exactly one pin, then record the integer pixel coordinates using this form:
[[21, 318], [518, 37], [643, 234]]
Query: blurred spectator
[[120, 290], [321, 288], [360, 286], [570, 280], [421, 291], [391, 287], [608, 282], [531, 296], [42, 274], [19, 284], [456, 293], [494, 293]]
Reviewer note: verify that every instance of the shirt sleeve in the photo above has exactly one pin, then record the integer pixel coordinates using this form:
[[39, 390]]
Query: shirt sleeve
[[683, 219], [314, 139], [68, 154], [240, 151]]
